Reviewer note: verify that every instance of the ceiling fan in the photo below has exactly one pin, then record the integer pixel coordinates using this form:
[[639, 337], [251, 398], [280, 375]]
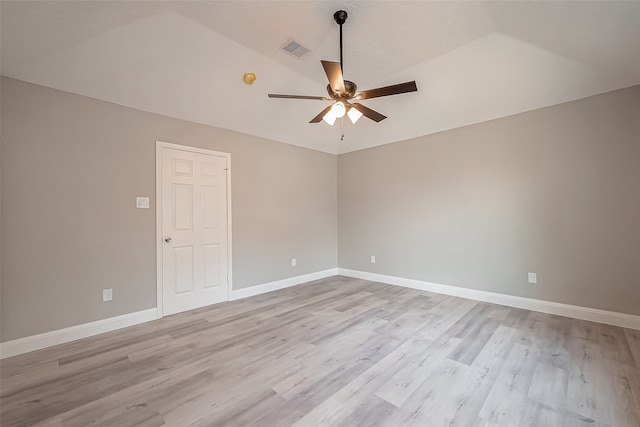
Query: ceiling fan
[[343, 92]]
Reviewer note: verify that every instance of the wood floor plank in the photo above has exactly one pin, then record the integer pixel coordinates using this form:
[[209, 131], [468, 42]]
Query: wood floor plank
[[615, 344], [371, 380], [418, 368], [371, 411], [165, 390], [633, 375], [242, 412], [340, 365], [633, 340], [549, 387], [508, 396], [325, 414], [29, 375], [497, 347], [537, 415], [338, 352], [599, 388], [425, 405], [474, 341]]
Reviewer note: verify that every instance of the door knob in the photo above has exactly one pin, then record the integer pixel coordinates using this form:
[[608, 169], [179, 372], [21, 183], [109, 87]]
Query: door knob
[[168, 239]]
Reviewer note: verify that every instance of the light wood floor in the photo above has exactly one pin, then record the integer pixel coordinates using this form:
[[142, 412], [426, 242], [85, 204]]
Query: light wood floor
[[341, 352]]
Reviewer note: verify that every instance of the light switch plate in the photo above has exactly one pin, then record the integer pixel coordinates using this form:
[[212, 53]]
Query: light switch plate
[[142, 202], [533, 278], [107, 295]]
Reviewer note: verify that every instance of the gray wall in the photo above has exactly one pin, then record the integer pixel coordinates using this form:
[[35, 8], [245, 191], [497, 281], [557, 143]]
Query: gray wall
[[71, 169], [554, 191]]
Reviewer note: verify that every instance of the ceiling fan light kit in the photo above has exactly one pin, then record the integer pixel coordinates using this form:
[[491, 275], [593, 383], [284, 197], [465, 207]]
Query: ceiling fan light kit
[[342, 91]]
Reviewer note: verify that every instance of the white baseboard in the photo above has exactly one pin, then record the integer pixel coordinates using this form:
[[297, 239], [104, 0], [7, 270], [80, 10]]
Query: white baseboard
[[280, 284], [584, 313], [61, 336]]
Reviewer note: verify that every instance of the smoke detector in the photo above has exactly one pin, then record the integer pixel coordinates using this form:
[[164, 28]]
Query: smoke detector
[[249, 78]]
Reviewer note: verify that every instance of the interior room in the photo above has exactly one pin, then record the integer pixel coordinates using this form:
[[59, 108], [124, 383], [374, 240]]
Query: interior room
[[339, 213]]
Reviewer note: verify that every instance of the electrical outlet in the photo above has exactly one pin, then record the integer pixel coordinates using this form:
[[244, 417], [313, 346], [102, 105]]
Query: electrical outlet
[[533, 278], [293, 262], [373, 259], [107, 295]]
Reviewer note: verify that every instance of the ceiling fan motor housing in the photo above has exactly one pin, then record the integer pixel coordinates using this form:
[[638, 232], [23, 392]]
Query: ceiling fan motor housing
[[350, 89]]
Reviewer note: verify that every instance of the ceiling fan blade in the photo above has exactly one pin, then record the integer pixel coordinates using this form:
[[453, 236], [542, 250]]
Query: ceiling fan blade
[[318, 118], [368, 112], [388, 90], [319, 98], [333, 70]]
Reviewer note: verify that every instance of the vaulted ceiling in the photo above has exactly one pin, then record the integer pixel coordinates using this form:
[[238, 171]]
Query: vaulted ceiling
[[472, 61]]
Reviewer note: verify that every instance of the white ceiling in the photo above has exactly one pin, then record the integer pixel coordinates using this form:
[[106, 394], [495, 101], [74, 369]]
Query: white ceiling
[[472, 61]]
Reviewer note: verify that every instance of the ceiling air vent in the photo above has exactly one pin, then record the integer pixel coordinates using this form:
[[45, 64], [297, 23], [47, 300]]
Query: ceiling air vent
[[295, 49]]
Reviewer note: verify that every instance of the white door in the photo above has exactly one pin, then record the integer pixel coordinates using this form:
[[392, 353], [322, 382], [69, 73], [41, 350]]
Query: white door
[[194, 230]]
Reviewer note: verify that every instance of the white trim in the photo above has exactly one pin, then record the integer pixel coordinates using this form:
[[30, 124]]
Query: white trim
[[229, 228], [280, 284], [159, 146], [577, 312], [61, 336], [191, 149], [159, 303]]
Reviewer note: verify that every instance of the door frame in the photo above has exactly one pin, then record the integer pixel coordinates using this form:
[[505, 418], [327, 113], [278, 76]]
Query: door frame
[[159, 202]]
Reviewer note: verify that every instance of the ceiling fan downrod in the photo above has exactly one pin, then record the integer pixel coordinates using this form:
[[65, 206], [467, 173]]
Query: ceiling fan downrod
[[340, 17]]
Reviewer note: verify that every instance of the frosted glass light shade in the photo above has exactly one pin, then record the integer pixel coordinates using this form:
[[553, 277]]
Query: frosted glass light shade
[[329, 118], [338, 109], [354, 115]]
